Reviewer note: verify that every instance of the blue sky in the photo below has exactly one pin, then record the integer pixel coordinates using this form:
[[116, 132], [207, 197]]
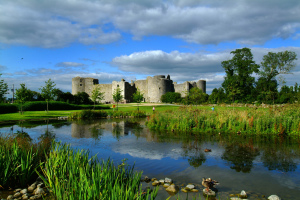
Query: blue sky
[[133, 39]]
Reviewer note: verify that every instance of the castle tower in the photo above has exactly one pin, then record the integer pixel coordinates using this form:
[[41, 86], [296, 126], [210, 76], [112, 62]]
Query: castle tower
[[202, 85], [80, 84]]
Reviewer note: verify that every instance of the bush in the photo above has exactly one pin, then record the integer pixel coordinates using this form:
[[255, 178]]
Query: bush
[[171, 97], [8, 108]]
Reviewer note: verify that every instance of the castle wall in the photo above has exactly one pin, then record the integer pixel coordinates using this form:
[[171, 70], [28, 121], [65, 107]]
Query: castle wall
[[152, 88], [142, 85], [107, 89]]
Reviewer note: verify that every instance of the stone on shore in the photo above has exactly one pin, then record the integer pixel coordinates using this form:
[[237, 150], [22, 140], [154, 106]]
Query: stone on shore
[[274, 197]]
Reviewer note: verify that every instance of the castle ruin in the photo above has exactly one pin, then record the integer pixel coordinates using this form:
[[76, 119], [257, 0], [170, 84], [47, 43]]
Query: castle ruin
[[152, 88]]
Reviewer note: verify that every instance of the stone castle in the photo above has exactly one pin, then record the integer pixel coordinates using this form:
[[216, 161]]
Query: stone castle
[[152, 88]]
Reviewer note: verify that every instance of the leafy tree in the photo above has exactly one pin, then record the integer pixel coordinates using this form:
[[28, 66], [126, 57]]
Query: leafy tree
[[97, 95], [197, 96], [138, 97], [3, 89], [47, 92], [82, 98], [238, 82], [117, 96], [23, 94], [171, 97], [217, 96], [274, 64], [266, 90]]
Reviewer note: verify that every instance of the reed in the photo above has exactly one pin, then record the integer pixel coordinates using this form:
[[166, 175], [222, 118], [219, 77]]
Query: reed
[[73, 174], [19, 158], [277, 121], [90, 114]]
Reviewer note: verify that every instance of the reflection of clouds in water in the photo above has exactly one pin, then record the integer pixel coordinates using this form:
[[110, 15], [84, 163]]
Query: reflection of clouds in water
[[147, 150]]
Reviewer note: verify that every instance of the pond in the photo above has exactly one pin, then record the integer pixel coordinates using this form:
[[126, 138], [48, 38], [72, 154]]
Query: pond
[[261, 166]]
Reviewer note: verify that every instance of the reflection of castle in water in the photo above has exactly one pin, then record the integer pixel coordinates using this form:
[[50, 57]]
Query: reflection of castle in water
[[117, 128]]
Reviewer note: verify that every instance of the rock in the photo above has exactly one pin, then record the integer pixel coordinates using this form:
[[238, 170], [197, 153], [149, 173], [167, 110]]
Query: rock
[[155, 183], [39, 190], [189, 187], [153, 179], [243, 194], [161, 181], [274, 197], [23, 191], [17, 190], [235, 198], [194, 190], [166, 185], [184, 190], [10, 197], [168, 180], [32, 187], [36, 197], [25, 196], [209, 193], [17, 195], [146, 179], [172, 188]]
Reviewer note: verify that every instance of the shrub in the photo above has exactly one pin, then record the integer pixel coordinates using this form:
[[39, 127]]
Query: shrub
[[8, 108], [171, 97]]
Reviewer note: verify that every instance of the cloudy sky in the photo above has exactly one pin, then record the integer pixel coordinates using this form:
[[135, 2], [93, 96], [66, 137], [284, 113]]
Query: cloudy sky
[[133, 39]]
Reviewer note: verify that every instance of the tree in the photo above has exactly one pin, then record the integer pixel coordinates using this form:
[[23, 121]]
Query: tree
[[171, 97], [97, 95], [82, 98], [217, 96], [238, 82], [117, 96], [47, 91], [274, 64], [3, 89], [23, 94], [138, 97], [197, 96]]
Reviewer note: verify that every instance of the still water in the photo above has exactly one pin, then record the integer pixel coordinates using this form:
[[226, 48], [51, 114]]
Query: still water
[[261, 166]]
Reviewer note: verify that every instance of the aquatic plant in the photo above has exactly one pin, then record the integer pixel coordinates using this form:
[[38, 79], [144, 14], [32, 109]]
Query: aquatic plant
[[73, 174], [283, 120]]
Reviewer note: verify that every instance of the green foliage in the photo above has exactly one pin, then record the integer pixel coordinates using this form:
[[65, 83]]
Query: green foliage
[[54, 105], [23, 95], [138, 97], [82, 98], [48, 92], [8, 108], [19, 158], [238, 82], [275, 121], [196, 96], [117, 96], [217, 96], [97, 95], [91, 114], [3, 89], [274, 64], [74, 174], [171, 97]]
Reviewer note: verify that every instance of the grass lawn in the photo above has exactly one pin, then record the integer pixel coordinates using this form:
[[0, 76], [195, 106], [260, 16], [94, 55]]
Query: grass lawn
[[29, 115]]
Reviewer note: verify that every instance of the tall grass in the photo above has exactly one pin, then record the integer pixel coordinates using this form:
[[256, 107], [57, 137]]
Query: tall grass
[[72, 174], [19, 159], [283, 120], [90, 114]]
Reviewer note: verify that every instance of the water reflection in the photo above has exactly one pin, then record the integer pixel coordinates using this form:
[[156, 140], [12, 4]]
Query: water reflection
[[235, 161], [240, 157]]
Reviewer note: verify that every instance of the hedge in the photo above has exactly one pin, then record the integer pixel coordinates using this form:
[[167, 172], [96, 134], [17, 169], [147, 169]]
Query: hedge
[[8, 108]]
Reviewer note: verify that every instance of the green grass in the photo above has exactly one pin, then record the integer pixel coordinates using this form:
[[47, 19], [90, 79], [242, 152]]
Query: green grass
[[29, 115], [284, 120]]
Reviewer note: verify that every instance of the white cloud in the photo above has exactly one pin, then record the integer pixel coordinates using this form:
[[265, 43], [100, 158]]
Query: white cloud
[[58, 23], [69, 64], [191, 66]]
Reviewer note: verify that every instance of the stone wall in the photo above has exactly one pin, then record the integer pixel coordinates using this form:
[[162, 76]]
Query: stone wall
[[152, 88]]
